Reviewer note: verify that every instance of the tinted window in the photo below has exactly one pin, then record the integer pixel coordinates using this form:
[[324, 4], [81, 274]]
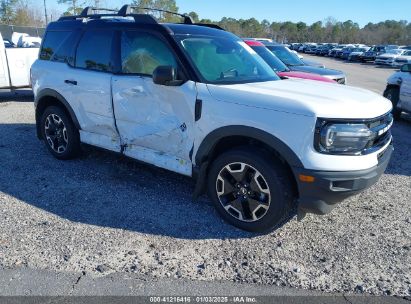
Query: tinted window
[[65, 53], [275, 63], [52, 43], [94, 51], [142, 53]]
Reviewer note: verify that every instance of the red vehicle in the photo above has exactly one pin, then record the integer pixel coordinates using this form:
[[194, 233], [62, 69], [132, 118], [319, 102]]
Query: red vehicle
[[279, 67]]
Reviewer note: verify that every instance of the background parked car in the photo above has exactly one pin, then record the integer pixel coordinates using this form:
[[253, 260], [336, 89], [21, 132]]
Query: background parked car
[[279, 67], [333, 51], [399, 91], [389, 57], [8, 43], [311, 49], [356, 53], [403, 59], [325, 49], [346, 52], [345, 49], [372, 53], [296, 64]]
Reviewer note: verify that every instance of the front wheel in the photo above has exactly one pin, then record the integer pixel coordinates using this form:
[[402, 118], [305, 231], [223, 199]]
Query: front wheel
[[251, 190], [393, 94]]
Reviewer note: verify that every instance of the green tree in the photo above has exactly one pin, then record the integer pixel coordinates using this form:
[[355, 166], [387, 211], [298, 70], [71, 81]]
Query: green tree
[[7, 11], [194, 16], [75, 6], [167, 5]]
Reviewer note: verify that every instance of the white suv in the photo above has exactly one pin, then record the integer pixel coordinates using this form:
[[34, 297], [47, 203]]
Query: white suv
[[399, 90], [196, 100]]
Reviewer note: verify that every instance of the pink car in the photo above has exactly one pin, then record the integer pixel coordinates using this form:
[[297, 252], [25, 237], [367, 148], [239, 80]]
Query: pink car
[[279, 67]]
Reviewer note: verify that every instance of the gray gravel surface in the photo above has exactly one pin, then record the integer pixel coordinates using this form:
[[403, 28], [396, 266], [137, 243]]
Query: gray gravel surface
[[104, 214]]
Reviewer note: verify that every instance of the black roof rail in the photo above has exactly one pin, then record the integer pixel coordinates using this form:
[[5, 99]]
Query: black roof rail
[[210, 25], [89, 10], [128, 9]]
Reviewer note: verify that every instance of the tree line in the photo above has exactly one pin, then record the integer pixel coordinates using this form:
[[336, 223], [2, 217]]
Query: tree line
[[20, 12]]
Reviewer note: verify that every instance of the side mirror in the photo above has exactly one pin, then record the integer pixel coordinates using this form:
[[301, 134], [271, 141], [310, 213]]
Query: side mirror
[[406, 68], [166, 75]]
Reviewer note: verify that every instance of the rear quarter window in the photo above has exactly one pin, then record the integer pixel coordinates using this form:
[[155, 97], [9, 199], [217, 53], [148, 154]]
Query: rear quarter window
[[52, 42]]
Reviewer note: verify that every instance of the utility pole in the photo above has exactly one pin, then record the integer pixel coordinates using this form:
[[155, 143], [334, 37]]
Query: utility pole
[[45, 12]]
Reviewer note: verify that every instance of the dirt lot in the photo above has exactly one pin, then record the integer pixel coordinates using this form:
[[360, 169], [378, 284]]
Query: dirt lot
[[105, 214]]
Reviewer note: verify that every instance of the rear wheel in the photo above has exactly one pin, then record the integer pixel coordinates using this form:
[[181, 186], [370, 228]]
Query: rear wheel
[[393, 94], [250, 190], [59, 133]]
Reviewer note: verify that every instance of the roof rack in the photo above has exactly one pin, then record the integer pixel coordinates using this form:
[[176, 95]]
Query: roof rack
[[88, 12], [128, 9]]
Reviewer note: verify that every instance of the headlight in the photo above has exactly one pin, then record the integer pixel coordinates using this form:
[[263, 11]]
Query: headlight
[[352, 137], [345, 138]]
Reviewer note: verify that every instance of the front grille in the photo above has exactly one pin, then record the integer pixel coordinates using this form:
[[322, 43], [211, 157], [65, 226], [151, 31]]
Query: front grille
[[381, 127]]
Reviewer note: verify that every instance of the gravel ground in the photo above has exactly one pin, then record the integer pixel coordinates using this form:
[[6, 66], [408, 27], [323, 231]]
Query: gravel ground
[[104, 214]]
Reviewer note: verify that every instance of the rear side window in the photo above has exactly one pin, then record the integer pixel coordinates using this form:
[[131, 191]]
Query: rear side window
[[94, 51], [52, 43], [142, 53]]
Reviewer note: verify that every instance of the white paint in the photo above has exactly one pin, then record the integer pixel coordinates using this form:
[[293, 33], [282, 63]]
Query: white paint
[[161, 160], [157, 118], [305, 97], [18, 62], [405, 93], [150, 117], [99, 140], [4, 74]]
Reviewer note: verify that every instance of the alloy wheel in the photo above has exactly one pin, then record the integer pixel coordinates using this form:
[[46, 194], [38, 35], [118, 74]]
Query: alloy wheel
[[243, 192], [56, 133]]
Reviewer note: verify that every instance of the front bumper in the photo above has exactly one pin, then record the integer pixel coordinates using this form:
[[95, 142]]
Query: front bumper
[[367, 58], [330, 188]]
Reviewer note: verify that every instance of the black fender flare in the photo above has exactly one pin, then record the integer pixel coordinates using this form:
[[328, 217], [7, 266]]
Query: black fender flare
[[211, 140], [40, 103], [209, 143]]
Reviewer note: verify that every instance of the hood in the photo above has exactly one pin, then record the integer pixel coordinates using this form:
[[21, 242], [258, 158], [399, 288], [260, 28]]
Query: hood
[[404, 58], [389, 56], [304, 97], [316, 70], [313, 63], [311, 76]]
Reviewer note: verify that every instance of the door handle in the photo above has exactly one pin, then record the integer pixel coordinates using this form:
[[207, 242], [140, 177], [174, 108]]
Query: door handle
[[73, 82]]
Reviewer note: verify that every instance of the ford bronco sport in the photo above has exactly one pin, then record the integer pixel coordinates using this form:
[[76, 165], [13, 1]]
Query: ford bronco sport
[[196, 100]]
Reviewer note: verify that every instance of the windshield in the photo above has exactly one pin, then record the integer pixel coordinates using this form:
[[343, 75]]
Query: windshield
[[286, 56], [222, 60], [276, 64]]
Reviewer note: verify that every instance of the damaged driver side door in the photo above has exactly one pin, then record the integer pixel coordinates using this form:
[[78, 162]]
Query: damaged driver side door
[[155, 122]]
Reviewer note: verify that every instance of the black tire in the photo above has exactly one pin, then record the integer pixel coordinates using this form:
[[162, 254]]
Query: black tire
[[393, 94], [66, 134], [278, 182]]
